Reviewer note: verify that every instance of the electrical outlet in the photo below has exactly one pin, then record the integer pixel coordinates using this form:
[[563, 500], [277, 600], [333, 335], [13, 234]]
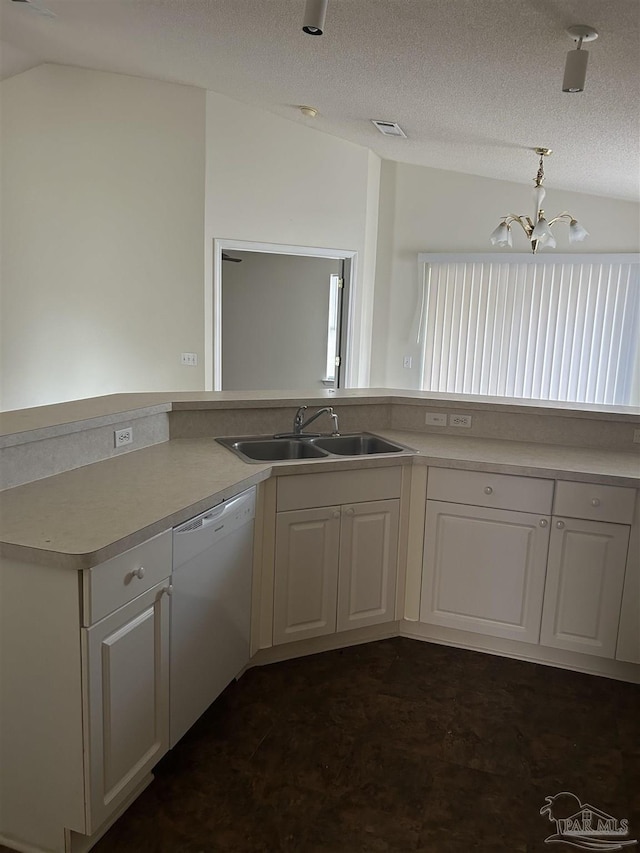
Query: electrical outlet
[[190, 359], [636, 436], [460, 421], [435, 419], [123, 436], [407, 361]]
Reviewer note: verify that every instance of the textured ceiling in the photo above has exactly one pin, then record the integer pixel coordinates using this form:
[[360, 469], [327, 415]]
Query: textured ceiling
[[474, 83]]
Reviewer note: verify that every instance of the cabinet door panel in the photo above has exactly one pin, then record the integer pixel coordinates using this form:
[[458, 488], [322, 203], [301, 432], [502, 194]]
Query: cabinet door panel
[[128, 699], [484, 570], [368, 563], [585, 577], [306, 573]]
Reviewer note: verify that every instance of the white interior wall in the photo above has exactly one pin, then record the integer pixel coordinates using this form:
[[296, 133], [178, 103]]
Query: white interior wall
[[275, 310], [108, 188], [270, 180], [430, 210], [102, 235]]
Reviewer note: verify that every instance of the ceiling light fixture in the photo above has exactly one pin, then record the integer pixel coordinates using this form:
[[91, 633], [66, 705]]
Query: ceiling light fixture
[[309, 112], [538, 230], [575, 69], [314, 14]]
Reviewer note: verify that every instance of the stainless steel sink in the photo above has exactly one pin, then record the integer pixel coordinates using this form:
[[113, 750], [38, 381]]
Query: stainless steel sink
[[359, 444], [267, 448]]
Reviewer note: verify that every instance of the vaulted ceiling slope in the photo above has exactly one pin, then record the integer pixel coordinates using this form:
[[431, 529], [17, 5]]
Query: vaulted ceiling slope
[[475, 84]]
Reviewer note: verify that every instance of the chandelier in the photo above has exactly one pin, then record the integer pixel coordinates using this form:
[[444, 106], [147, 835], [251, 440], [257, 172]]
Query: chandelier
[[538, 229]]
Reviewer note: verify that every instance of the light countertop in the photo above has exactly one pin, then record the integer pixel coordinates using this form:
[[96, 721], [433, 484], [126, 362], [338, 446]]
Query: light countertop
[[87, 515]]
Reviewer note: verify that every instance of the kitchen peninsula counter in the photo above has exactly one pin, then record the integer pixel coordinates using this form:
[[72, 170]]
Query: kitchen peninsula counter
[[84, 516]]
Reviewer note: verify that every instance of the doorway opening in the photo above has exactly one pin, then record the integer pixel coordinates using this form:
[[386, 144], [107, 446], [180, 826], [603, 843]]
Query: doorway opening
[[281, 317]]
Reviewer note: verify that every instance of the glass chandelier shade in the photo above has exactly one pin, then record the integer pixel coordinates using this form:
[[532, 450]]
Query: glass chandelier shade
[[538, 228]]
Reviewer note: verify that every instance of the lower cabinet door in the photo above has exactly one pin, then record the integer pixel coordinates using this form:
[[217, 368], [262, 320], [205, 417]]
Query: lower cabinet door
[[127, 696], [368, 563], [484, 570], [306, 573], [585, 578]]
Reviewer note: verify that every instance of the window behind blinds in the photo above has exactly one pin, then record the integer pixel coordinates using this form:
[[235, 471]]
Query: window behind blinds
[[547, 330]]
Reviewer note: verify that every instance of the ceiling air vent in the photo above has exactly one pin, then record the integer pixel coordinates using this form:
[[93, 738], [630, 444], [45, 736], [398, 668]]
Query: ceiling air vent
[[389, 128]]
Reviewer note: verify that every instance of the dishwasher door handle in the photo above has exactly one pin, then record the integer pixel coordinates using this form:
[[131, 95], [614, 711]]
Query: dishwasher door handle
[[212, 516]]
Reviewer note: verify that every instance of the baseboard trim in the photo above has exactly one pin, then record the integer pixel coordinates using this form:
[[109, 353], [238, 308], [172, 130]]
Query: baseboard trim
[[517, 650], [527, 652], [326, 643]]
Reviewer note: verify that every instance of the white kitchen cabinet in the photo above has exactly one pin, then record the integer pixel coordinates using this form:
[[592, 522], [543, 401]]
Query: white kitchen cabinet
[[126, 666], [583, 592], [306, 573], [335, 569], [484, 570], [84, 700], [586, 572], [335, 565], [368, 563], [485, 552]]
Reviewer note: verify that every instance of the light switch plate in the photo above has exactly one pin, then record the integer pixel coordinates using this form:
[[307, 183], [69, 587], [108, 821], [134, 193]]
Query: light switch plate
[[436, 419]]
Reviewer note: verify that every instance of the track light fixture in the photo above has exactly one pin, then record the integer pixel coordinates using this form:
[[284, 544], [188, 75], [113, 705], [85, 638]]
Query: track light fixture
[[314, 14], [575, 69], [538, 230]]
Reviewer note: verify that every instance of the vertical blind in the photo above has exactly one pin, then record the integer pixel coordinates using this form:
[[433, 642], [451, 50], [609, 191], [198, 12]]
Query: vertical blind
[[564, 331]]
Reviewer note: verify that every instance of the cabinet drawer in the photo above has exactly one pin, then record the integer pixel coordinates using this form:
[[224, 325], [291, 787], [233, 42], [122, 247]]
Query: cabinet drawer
[[118, 581], [594, 502], [500, 491], [304, 491]]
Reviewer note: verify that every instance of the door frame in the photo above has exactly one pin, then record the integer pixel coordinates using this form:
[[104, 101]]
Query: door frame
[[213, 318]]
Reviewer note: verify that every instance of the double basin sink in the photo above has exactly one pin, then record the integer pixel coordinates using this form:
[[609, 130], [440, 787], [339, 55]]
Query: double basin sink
[[261, 448]]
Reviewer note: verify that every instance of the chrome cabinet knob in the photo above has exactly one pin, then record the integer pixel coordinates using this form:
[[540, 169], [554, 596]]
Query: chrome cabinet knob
[[560, 525], [488, 490], [543, 522], [595, 502], [169, 590], [336, 513], [138, 573]]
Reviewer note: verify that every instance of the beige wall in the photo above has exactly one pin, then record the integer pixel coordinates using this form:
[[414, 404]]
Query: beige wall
[[102, 235], [271, 180], [430, 210], [110, 183]]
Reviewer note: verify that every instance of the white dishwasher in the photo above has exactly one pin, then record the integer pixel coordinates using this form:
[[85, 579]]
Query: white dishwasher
[[210, 607]]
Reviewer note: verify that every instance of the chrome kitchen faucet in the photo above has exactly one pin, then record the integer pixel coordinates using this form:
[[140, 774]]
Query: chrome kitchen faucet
[[299, 423]]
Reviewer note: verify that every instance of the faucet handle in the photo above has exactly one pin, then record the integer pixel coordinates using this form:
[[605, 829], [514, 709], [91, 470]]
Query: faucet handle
[[297, 420]]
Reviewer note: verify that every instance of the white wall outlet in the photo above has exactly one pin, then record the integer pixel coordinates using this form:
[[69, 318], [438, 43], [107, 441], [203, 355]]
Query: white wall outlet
[[190, 359], [636, 436], [123, 436], [407, 361], [460, 421], [435, 419]]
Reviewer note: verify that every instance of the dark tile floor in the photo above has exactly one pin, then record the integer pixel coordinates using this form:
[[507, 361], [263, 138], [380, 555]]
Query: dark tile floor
[[392, 746]]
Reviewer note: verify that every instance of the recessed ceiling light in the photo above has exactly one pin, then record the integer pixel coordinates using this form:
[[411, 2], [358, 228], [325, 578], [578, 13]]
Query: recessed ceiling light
[[389, 128], [309, 112]]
